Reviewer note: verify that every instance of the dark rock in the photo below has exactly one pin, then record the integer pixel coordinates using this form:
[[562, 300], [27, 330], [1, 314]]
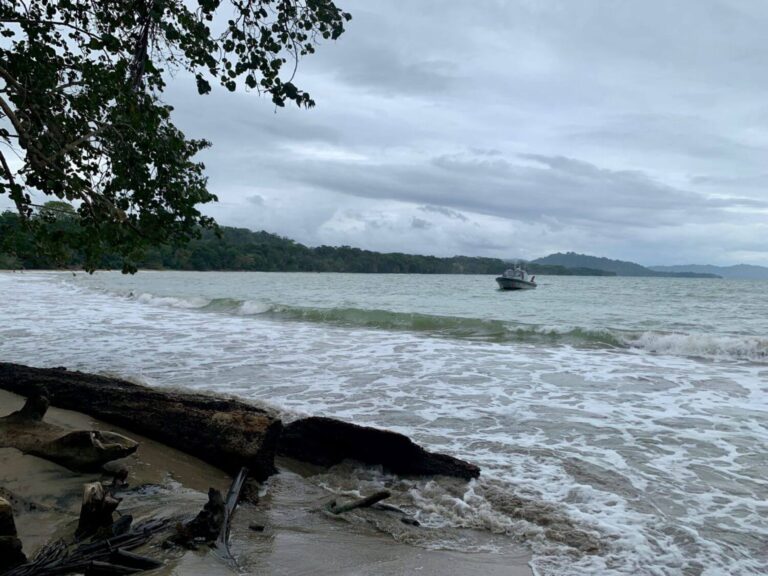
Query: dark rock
[[410, 521], [325, 441], [256, 527]]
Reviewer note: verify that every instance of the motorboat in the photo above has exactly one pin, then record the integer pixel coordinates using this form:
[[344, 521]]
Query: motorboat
[[516, 279]]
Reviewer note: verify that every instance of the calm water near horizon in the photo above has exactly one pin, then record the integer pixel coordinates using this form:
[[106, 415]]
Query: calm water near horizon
[[621, 423]]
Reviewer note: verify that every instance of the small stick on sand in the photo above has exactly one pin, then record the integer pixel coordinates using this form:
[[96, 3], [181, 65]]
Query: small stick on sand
[[367, 502]]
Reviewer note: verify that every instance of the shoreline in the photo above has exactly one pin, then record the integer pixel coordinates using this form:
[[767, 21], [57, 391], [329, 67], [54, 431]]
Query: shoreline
[[298, 537]]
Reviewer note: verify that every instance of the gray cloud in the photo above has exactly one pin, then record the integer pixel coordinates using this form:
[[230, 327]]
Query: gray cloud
[[444, 211], [514, 128], [420, 224], [544, 188]]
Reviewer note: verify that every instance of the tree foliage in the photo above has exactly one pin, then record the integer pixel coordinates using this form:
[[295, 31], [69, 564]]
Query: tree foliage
[[80, 106]]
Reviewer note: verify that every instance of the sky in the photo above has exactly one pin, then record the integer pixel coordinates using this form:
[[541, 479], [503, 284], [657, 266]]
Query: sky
[[510, 128]]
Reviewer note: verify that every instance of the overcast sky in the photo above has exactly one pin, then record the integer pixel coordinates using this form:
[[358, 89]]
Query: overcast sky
[[511, 128]]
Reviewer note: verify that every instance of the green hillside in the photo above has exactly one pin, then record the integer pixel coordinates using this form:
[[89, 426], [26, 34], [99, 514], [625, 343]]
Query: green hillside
[[737, 271], [618, 267]]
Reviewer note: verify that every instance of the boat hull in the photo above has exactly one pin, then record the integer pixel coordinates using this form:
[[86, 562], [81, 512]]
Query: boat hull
[[514, 284]]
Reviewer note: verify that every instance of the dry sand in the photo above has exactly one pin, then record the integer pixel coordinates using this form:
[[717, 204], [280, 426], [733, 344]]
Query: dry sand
[[298, 537]]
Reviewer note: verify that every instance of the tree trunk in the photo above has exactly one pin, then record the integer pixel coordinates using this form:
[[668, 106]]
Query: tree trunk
[[96, 510]]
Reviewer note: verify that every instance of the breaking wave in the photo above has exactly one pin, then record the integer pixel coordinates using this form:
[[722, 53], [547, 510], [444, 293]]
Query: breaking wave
[[718, 347]]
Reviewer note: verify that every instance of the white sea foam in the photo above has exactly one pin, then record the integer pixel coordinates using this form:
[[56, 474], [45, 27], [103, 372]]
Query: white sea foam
[[659, 458], [703, 345], [250, 307], [171, 302]]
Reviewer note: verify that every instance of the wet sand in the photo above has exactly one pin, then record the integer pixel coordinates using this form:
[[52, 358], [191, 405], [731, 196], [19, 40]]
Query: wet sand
[[298, 538]]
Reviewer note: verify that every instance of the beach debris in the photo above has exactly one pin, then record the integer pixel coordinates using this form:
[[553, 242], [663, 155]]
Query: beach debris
[[212, 524], [373, 502], [326, 441], [108, 556], [96, 510], [366, 502], [78, 450], [203, 528], [233, 496], [10, 546], [224, 432]]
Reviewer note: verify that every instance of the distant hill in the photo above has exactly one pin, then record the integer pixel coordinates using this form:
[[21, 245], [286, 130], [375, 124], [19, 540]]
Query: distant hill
[[550, 270], [618, 267], [739, 271]]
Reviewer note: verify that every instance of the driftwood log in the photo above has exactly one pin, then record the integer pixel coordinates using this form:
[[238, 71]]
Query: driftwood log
[[226, 433], [229, 433], [78, 450], [326, 441], [10, 545]]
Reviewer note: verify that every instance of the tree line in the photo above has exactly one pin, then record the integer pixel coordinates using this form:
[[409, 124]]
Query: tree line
[[230, 249]]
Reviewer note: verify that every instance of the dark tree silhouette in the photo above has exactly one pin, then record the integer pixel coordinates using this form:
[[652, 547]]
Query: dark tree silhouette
[[81, 83]]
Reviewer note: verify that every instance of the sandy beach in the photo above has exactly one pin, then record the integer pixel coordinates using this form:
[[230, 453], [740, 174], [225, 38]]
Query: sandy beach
[[298, 537]]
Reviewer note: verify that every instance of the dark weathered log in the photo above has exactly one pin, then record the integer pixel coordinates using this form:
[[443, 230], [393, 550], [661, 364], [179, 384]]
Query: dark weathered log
[[10, 546], [78, 450], [366, 502], [326, 441], [96, 510], [226, 433]]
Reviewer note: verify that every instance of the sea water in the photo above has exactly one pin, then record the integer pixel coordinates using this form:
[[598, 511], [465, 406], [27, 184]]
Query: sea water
[[621, 423]]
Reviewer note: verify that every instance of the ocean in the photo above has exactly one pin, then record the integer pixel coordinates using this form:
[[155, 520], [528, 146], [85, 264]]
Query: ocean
[[621, 423]]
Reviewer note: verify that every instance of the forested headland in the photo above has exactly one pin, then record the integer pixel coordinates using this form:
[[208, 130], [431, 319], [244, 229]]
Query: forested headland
[[244, 250]]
